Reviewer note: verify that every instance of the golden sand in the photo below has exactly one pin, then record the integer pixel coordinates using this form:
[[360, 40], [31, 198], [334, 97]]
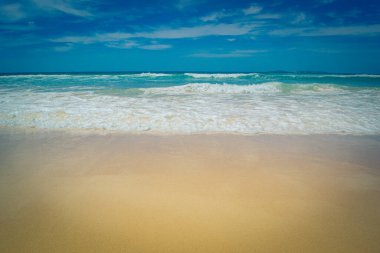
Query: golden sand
[[76, 192]]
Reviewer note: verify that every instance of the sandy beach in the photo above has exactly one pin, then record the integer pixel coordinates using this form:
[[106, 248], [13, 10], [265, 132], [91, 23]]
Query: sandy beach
[[110, 192], [189, 126]]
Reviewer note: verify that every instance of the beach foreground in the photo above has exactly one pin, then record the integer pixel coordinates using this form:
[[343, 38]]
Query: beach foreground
[[91, 192]]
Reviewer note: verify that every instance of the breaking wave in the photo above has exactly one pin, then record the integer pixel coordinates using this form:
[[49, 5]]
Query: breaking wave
[[215, 88], [180, 103], [221, 75]]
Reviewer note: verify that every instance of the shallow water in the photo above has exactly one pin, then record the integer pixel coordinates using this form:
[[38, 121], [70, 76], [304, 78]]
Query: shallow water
[[248, 103]]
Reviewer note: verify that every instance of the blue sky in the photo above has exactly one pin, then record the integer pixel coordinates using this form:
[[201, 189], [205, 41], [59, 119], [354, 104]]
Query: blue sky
[[190, 35]]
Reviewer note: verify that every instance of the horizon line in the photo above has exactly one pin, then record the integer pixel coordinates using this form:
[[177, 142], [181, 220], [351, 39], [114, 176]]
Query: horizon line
[[183, 71]]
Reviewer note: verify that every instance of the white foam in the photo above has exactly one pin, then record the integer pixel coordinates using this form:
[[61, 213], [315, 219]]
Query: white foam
[[352, 75], [82, 76], [332, 75], [210, 88], [207, 108], [220, 75], [148, 74]]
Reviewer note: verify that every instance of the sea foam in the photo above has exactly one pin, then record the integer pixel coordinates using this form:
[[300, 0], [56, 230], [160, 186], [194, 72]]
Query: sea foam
[[220, 75], [212, 88], [162, 104]]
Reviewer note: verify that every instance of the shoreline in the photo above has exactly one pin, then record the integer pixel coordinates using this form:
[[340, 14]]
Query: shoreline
[[80, 192], [104, 132]]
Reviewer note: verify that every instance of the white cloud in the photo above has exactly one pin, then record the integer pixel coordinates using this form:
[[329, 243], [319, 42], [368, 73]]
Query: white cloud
[[62, 6], [218, 15], [133, 44], [76, 39], [250, 51], [11, 12], [329, 31], [231, 54], [286, 31], [346, 30], [253, 9], [122, 45], [103, 37], [212, 17], [14, 12], [155, 47], [198, 31], [268, 16], [163, 33]]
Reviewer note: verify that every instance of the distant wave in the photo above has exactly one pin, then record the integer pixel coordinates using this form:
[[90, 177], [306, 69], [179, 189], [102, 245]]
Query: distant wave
[[149, 74], [220, 75], [327, 75], [350, 75], [152, 75], [89, 76]]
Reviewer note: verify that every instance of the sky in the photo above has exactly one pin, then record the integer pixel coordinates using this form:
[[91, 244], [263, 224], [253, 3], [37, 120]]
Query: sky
[[340, 36]]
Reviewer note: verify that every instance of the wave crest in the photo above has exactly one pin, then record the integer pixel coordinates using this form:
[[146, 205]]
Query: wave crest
[[209, 88], [221, 75], [149, 74], [268, 87]]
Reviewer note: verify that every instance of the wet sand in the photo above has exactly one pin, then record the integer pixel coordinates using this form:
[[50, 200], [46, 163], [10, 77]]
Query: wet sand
[[93, 192]]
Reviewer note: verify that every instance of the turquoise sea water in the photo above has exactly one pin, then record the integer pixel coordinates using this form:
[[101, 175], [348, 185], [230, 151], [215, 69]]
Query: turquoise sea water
[[249, 103]]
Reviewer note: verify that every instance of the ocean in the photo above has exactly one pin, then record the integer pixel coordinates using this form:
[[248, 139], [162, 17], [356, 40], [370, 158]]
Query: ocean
[[184, 103]]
